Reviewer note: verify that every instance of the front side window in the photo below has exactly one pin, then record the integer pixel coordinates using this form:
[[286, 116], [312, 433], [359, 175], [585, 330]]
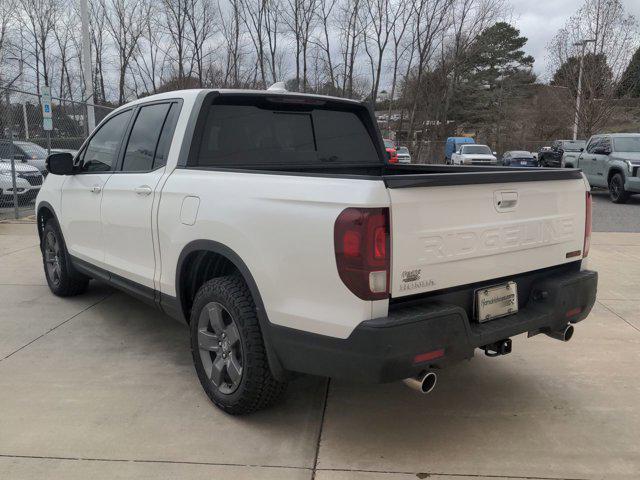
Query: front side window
[[249, 136], [143, 140], [102, 150], [605, 145], [593, 144]]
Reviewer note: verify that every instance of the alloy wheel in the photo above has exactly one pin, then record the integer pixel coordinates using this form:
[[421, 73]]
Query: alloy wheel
[[52, 258], [220, 347]]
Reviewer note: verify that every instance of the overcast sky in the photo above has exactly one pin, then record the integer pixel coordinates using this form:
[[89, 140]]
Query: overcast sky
[[539, 20]]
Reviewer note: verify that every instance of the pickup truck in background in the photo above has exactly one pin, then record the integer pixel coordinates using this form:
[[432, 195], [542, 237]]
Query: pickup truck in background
[[559, 151], [453, 145], [272, 224], [611, 161], [474, 154]]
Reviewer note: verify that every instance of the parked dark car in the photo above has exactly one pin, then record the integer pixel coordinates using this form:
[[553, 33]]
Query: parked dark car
[[552, 157], [519, 158]]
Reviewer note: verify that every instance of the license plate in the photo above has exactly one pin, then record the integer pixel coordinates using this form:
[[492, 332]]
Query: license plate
[[523, 163], [497, 301]]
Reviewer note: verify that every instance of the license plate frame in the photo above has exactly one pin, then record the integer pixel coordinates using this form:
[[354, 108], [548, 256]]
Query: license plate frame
[[496, 301]]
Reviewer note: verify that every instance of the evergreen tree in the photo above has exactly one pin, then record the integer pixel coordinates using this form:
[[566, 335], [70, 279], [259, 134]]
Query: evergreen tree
[[630, 81]]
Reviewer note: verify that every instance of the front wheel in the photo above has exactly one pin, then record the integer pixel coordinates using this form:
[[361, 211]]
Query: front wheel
[[617, 193], [228, 349], [61, 278]]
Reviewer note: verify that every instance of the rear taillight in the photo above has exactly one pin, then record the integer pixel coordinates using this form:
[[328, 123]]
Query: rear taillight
[[587, 227], [361, 241]]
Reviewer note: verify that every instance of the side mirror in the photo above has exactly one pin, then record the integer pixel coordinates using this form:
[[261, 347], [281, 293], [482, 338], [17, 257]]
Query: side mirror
[[60, 163], [582, 149], [495, 153]]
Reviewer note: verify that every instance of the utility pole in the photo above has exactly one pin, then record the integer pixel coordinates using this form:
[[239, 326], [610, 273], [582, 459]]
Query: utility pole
[[86, 64], [24, 98], [582, 44]]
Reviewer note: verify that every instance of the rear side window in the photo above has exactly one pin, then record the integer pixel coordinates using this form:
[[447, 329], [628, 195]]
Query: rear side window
[[250, 136], [141, 147], [166, 136]]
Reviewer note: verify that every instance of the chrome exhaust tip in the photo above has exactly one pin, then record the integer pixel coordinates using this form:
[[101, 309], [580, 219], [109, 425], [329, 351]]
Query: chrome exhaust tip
[[563, 335], [424, 383]]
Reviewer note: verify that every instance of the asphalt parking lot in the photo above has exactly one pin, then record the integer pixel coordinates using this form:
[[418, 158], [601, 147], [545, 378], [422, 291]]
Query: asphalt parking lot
[[101, 386], [609, 217]]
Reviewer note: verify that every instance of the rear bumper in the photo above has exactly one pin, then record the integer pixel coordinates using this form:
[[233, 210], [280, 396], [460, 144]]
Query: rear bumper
[[383, 349]]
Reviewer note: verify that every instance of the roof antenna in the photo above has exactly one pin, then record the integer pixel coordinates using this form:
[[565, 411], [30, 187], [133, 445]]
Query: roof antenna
[[277, 87]]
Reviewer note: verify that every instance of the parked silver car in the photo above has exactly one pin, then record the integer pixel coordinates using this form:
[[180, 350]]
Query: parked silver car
[[25, 152]]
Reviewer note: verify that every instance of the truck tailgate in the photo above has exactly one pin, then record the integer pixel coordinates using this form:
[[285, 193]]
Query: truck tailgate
[[446, 236]]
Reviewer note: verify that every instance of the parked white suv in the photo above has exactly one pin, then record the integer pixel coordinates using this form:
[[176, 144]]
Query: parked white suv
[[474, 154], [272, 225], [28, 181]]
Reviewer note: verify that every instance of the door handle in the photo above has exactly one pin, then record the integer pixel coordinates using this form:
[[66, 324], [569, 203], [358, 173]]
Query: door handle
[[96, 189], [143, 190]]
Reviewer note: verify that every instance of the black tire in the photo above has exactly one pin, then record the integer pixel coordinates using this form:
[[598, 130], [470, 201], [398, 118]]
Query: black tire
[[224, 311], [62, 279], [617, 193]]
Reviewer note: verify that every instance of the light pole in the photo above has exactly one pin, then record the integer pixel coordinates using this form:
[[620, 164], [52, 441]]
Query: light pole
[[583, 44], [86, 66]]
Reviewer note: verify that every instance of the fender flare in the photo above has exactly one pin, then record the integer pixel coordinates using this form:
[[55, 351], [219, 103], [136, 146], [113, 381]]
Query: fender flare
[[265, 325]]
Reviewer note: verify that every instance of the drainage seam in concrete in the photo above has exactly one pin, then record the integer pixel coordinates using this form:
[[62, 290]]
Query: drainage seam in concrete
[[619, 316], [19, 250], [249, 465], [53, 328], [324, 411]]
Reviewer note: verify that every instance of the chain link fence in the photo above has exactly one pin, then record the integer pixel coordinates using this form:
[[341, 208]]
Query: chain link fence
[[24, 144]]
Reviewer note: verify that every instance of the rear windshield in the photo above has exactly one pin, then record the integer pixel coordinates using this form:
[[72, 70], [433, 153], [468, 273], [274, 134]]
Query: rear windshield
[[245, 136]]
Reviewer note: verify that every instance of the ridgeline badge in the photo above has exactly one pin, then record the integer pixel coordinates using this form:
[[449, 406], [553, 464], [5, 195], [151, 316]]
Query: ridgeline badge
[[411, 280], [411, 275]]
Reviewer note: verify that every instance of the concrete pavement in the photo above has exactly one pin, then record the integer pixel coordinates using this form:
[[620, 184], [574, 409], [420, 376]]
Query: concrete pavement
[[102, 386]]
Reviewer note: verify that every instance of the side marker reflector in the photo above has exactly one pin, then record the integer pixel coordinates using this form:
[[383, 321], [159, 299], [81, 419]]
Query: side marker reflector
[[573, 312], [425, 357]]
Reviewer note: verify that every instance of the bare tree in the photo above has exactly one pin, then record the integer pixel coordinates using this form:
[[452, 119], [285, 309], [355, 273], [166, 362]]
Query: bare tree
[[272, 25], [350, 28], [431, 18], [7, 12], [400, 48], [614, 34], [96, 14], [125, 20], [382, 17], [301, 21], [324, 10], [201, 26], [253, 15], [176, 24], [40, 16], [230, 28]]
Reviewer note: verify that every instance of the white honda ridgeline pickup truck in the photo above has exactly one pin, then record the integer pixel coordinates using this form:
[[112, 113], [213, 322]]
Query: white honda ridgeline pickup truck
[[270, 223]]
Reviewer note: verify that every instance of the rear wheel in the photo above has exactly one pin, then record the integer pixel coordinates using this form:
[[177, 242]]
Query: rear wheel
[[228, 349], [617, 193], [61, 278]]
